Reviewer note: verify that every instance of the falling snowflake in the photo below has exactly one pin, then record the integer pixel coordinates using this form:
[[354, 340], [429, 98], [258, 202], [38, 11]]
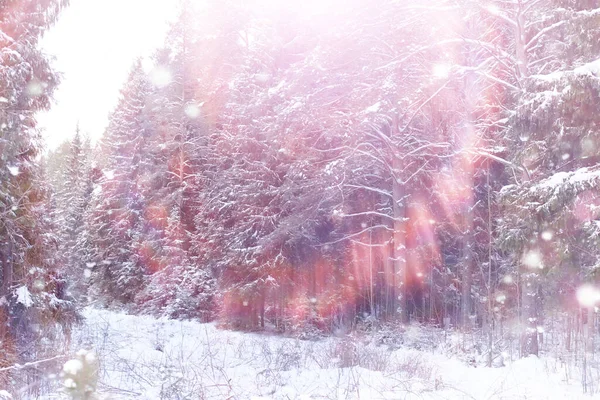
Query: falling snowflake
[[533, 259], [35, 88], [160, 77], [547, 235], [588, 295], [588, 146], [192, 111]]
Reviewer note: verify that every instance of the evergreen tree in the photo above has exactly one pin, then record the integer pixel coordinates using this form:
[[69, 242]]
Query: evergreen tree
[[29, 283], [549, 229], [117, 216], [367, 162], [73, 201]]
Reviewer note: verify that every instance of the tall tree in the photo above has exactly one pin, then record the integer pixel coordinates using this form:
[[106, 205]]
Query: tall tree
[[118, 222], [29, 284], [552, 136], [74, 201]]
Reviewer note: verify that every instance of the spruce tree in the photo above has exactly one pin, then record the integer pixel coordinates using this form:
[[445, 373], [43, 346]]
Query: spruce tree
[[117, 215], [73, 203], [29, 282]]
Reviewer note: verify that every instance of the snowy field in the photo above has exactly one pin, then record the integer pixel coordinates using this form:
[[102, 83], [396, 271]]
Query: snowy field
[[147, 358]]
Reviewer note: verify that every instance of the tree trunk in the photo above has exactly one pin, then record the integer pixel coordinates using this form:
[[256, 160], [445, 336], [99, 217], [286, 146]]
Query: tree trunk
[[521, 52], [262, 311], [490, 289], [391, 284], [7, 271], [529, 290], [399, 240], [467, 272]]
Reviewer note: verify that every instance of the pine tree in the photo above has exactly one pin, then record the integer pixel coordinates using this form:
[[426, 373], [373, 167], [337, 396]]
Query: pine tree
[[552, 137], [74, 201], [29, 282], [117, 216], [175, 176]]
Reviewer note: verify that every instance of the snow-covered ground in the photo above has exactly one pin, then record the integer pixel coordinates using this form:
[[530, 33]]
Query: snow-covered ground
[[147, 358]]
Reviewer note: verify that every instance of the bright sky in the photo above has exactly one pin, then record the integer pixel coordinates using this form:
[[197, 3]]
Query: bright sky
[[95, 44]]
